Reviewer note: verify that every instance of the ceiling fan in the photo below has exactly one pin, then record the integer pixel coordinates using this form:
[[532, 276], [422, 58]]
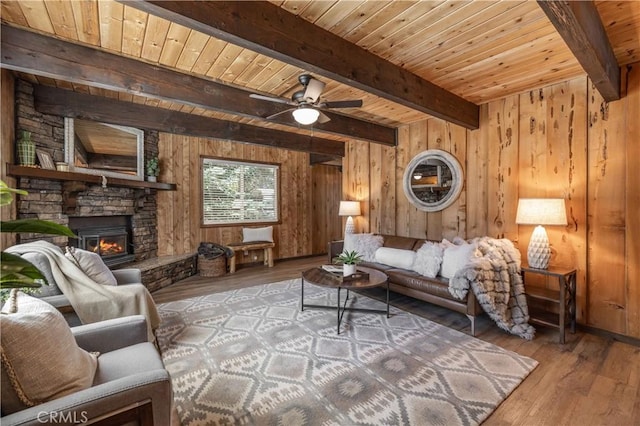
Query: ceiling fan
[[306, 102]]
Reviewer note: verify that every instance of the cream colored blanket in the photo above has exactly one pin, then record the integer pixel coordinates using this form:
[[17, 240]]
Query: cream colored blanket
[[92, 301]]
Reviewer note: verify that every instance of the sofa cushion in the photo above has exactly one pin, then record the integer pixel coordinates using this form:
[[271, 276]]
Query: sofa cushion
[[127, 361], [428, 259], [41, 360], [410, 279], [455, 258], [395, 257], [375, 265], [91, 264], [405, 243], [365, 244]]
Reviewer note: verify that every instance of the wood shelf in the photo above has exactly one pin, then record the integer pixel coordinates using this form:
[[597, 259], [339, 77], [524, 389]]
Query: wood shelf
[[39, 173], [543, 294], [543, 317]]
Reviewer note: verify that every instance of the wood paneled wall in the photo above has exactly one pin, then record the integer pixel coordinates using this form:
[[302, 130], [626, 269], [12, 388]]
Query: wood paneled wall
[[308, 211], [7, 129], [559, 141], [326, 192]]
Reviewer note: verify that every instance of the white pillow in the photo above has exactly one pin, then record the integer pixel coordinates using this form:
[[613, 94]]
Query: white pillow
[[455, 258], [365, 244], [395, 257], [250, 235], [40, 356], [428, 259], [91, 264]]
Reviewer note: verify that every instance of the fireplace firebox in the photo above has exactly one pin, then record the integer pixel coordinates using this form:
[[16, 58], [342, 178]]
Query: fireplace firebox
[[109, 236]]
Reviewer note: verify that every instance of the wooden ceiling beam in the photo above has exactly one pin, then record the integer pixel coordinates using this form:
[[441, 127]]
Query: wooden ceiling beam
[[51, 100], [579, 24], [37, 54], [270, 30]]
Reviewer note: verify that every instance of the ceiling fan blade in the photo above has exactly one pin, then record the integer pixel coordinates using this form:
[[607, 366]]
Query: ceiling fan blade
[[323, 118], [313, 90], [343, 104], [279, 113], [270, 99]]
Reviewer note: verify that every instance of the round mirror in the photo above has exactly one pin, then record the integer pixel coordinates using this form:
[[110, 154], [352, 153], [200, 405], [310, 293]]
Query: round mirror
[[433, 180]]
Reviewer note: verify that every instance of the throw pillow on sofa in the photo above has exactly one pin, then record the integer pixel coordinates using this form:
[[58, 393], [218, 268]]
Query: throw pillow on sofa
[[428, 259], [41, 360], [91, 264], [455, 258], [395, 257], [365, 244]]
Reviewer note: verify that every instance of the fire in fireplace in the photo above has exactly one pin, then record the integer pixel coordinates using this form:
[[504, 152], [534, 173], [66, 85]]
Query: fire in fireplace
[[109, 236]]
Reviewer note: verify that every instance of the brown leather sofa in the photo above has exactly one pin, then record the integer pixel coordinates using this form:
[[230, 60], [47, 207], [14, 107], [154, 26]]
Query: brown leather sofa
[[410, 283]]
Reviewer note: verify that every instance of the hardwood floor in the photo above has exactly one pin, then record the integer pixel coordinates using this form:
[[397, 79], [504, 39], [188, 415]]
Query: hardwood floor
[[590, 380]]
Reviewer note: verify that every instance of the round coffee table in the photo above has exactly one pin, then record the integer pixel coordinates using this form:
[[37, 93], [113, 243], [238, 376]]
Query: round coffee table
[[320, 277]]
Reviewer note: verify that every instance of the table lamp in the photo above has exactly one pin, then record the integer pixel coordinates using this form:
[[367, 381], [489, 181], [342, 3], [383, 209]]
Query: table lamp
[[540, 211], [349, 208]]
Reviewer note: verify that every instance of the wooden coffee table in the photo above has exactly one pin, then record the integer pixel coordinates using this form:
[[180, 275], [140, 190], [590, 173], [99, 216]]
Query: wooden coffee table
[[320, 277]]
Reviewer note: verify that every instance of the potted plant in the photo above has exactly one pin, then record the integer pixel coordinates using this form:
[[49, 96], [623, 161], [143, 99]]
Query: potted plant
[[153, 169], [349, 260]]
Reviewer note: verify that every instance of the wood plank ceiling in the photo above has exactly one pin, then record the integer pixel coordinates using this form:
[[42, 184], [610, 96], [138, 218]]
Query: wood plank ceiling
[[478, 50]]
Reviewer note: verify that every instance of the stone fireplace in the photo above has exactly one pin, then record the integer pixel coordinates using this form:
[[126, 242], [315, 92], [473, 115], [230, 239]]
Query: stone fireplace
[[117, 221], [67, 201]]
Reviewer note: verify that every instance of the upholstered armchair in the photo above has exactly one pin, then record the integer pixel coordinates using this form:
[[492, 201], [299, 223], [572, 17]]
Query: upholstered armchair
[[130, 382], [54, 296], [90, 263]]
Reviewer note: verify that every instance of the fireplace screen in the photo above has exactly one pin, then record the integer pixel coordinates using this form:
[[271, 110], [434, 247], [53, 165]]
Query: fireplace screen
[[109, 236], [106, 245], [112, 244]]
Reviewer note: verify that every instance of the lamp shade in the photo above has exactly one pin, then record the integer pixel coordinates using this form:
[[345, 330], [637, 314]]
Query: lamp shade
[[305, 115], [541, 211], [349, 208]]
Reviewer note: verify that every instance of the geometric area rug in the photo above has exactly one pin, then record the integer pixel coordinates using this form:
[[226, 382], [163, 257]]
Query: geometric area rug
[[251, 357]]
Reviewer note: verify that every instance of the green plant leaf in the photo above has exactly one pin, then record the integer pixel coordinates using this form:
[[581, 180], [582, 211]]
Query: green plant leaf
[[348, 258], [6, 193], [16, 272], [36, 226]]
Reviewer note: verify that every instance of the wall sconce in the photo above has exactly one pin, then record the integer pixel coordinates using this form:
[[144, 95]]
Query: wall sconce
[[540, 211], [349, 208]]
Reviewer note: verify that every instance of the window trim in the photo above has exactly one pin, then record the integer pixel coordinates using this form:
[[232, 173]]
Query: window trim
[[238, 224]]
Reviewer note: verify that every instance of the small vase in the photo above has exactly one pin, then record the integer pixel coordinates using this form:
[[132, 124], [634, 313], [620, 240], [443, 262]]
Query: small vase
[[348, 270], [26, 149], [151, 179]]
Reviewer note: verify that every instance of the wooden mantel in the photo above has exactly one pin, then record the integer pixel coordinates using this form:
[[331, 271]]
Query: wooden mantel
[[46, 174]]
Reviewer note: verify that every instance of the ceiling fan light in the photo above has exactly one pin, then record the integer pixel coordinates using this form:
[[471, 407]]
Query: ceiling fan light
[[306, 115]]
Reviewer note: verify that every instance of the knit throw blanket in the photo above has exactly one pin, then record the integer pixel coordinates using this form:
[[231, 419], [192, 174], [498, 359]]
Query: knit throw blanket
[[93, 301], [495, 279]]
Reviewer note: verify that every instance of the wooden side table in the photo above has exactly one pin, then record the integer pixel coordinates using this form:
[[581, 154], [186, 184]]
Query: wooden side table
[[565, 297]]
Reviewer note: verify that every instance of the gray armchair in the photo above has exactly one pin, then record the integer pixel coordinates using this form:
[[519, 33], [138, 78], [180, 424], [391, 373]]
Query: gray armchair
[[51, 293], [131, 384]]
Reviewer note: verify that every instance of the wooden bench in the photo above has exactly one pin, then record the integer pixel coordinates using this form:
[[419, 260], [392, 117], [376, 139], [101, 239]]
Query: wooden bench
[[267, 246]]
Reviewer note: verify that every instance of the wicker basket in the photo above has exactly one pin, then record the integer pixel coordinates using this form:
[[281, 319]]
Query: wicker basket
[[215, 267]]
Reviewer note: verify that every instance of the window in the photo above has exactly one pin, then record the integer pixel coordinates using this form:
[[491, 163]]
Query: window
[[236, 192]]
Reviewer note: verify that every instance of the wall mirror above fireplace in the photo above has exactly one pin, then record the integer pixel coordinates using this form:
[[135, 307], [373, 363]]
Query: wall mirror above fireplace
[[433, 180], [104, 149]]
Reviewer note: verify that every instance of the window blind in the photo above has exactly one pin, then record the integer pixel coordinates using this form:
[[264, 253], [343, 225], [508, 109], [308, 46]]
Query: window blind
[[236, 192]]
